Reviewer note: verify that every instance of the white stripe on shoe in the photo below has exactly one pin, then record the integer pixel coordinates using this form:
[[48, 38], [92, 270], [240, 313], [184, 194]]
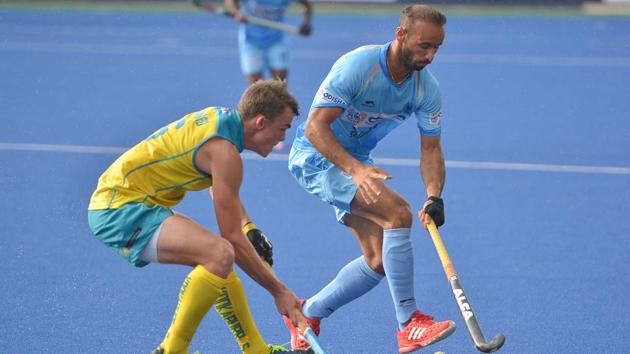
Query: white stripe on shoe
[[416, 333]]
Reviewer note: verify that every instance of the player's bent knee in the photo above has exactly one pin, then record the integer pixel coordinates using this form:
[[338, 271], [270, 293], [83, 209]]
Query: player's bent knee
[[400, 216], [375, 262], [219, 255], [227, 252]]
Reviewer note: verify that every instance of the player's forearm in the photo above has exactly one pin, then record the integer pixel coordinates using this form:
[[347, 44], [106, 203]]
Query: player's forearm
[[308, 13], [322, 137], [231, 5], [248, 260], [231, 216], [244, 216], [433, 171]]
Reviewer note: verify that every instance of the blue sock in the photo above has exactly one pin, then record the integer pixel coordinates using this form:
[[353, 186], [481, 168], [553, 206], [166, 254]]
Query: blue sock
[[398, 264], [353, 280]]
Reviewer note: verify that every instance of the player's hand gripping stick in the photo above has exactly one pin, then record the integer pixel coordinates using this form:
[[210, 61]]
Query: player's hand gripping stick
[[264, 248]]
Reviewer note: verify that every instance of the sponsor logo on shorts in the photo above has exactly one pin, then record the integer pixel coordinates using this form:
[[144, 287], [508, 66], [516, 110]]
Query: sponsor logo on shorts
[[435, 117], [132, 240]]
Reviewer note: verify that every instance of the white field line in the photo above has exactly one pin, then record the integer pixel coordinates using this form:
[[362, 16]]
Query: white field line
[[174, 47], [486, 165]]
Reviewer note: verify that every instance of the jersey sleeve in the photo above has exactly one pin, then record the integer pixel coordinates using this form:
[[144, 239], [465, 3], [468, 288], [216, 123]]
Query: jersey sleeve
[[341, 85], [229, 127], [429, 110]]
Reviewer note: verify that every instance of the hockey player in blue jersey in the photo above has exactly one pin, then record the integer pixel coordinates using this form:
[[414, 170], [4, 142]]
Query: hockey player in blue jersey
[[262, 48], [367, 93]]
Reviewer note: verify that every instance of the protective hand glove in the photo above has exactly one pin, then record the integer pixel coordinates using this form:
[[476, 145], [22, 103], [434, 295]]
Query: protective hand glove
[[261, 243], [435, 210], [306, 29]]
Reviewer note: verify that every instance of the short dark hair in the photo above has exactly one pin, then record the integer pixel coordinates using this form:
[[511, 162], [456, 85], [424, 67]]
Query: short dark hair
[[267, 97], [421, 12]]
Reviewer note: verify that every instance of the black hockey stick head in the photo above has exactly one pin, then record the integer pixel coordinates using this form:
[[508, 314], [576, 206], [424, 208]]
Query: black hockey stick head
[[495, 344]]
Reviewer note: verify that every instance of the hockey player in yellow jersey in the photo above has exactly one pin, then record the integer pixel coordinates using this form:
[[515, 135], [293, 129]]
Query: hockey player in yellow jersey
[[130, 211]]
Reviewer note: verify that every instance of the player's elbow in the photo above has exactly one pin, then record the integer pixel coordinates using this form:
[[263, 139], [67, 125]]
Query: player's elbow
[[311, 130]]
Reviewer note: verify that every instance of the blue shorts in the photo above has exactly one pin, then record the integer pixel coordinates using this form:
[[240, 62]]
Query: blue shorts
[[128, 229], [257, 60], [324, 179]]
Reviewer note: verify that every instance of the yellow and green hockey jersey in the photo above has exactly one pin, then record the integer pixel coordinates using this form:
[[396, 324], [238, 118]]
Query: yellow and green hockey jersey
[[161, 169]]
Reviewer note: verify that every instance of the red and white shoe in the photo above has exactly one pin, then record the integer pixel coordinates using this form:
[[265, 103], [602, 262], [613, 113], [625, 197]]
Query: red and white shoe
[[297, 338], [422, 331]]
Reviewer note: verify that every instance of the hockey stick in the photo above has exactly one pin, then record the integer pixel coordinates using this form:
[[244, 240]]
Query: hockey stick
[[464, 306], [308, 333], [311, 338], [220, 10]]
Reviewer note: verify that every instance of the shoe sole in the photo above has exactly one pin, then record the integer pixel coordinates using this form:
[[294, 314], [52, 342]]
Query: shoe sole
[[443, 335]]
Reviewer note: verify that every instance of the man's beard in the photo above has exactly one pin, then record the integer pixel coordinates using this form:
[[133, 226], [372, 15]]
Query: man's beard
[[410, 64]]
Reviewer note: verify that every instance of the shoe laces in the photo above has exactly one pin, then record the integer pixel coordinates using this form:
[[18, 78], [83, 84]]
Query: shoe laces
[[422, 319], [276, 349]]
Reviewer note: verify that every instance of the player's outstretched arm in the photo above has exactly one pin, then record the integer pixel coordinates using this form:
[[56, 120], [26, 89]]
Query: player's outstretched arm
[[233, 7], [307, 26], [220, 159]]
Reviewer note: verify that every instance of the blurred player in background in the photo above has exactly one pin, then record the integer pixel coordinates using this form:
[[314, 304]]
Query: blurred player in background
[[261, 48], [367, 93], [130, 212]]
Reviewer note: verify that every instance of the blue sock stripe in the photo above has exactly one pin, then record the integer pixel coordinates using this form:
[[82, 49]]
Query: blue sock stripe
[[404, 232]]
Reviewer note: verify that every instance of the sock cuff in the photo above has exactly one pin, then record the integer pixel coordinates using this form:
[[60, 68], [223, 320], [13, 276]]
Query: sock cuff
[[215, 280], [402, 232]]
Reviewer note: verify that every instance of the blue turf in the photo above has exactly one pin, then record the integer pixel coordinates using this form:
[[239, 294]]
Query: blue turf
[[541, 255]]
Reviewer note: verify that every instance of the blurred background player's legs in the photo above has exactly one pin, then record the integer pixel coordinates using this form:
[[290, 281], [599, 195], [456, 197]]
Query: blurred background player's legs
[[253, 61], [278, 60], [256, 61]]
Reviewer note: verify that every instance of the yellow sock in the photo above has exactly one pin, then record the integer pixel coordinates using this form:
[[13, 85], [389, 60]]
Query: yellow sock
[[198, 292], [233, 308]]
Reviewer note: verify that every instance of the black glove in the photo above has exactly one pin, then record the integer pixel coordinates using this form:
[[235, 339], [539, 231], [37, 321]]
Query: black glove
[[261, 244], [306, 29], [436, 210]]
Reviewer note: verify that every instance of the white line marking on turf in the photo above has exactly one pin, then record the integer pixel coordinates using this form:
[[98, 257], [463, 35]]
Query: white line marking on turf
[[514, 166], [175, 48], [486, 165], [64, 148]]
